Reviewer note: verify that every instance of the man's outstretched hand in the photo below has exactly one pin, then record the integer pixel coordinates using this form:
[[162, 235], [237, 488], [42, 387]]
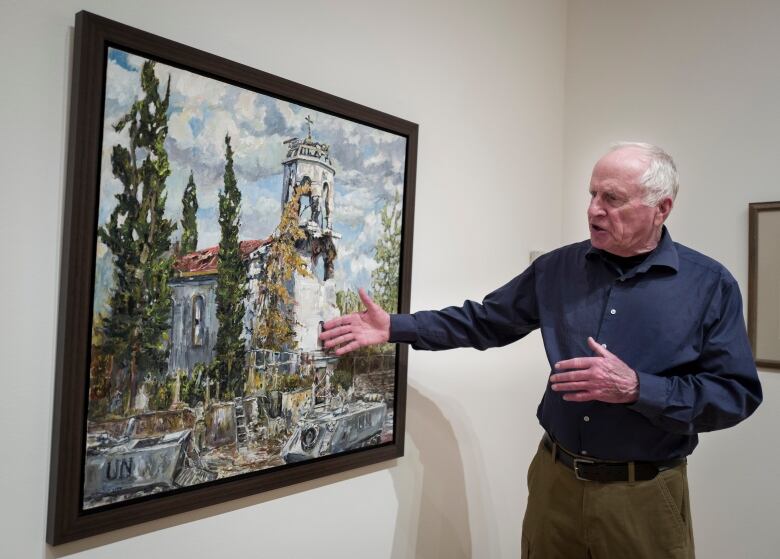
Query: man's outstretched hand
[[349, 332]]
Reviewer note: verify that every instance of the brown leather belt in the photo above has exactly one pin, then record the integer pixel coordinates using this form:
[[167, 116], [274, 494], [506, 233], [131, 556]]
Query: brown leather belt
[[589, 469]]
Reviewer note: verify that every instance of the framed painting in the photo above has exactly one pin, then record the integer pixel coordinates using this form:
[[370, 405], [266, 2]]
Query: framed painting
[[764, 284], [215, 217]]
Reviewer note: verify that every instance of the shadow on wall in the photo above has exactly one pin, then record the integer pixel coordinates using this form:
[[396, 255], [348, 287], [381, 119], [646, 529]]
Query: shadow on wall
[[431, 487]]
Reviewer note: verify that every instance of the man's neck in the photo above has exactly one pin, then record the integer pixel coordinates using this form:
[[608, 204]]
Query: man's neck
[[645, 249]]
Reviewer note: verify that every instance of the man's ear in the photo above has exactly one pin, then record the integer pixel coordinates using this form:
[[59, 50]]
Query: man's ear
[[664, 207]]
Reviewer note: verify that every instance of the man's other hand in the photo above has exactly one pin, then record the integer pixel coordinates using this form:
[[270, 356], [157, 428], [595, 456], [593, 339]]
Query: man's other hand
[[604, 378], [349, 332]]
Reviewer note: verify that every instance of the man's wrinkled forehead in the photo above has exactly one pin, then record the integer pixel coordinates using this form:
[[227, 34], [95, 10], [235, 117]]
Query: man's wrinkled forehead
[[622, 166]]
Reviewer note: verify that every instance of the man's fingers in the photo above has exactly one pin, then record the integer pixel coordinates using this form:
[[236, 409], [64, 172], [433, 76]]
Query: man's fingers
[[598, 349], [585, 362], [335, 331], [340, 340], [580, 396], [338, 321], [337, 326], [576, 363], [332, 323], [571, 376], [571, 386], [351, 346]]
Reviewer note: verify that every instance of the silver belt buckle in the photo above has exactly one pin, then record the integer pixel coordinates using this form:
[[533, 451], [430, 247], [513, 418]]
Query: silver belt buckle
[[575, 467]]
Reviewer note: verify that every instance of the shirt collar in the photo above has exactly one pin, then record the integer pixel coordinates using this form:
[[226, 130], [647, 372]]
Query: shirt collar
[[663, 255]]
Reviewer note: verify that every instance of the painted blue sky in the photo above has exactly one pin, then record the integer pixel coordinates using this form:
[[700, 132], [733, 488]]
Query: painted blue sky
[[369, 163]]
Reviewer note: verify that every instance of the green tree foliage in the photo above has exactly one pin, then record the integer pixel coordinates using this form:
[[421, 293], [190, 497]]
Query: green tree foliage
[[348, 302], [193, 386], [228, 364], [275, 324], [189, 223], [160, 393], [138, 235], [342, 378], [290, 383], [384, 278]]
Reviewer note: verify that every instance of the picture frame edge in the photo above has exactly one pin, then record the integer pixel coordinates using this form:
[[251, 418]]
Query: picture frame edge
[[754, 210], [66, 522]]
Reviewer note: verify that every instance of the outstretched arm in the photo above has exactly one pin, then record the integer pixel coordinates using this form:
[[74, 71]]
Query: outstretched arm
[[505, 315]]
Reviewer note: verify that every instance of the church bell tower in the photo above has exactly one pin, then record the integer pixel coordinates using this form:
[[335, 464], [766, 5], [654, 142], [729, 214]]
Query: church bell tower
[[308, 172]]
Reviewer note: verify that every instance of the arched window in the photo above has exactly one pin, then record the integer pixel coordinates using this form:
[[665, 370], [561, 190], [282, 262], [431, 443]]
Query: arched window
[[197, 320], [305, 208]]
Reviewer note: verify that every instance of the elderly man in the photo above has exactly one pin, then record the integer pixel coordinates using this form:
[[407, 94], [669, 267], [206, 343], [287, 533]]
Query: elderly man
[[647, 346]]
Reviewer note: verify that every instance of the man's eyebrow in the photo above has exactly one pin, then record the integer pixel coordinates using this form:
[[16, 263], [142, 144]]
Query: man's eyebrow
[[604, 189]]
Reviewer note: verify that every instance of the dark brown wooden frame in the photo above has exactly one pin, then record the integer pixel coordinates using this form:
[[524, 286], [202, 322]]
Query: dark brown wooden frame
[[94, 34], [754, 210]]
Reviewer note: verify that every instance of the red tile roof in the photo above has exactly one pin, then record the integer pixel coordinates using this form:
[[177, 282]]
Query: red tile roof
[[205, 261]]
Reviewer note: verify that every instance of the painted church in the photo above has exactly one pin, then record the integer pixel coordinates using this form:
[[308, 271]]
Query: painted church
[[194, 325]]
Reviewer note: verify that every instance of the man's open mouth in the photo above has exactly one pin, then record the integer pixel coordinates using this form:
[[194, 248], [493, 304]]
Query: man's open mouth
[[596, 227]]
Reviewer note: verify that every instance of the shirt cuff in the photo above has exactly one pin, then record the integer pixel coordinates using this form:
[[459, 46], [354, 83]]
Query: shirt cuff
[[652, 395], [403, 329]]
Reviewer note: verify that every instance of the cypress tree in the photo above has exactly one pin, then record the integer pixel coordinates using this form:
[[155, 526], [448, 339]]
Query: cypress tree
[[228, 363], [189, 223], [136, 332]]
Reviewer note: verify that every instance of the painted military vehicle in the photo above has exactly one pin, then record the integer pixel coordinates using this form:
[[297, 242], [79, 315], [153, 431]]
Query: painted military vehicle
[[118, 465], [325, 430]]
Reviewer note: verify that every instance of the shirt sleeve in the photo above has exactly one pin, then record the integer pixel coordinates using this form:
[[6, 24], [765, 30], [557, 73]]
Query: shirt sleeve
[[504, 316], [723, 390]]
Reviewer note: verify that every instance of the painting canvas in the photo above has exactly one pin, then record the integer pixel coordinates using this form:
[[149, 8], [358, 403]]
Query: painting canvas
[[230, 223]]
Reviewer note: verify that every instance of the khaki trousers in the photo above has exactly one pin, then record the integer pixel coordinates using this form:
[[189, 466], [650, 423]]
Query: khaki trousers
[[567, 518]]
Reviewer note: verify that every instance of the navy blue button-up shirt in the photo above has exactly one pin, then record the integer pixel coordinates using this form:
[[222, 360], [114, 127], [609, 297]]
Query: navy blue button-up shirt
[[675, 318]]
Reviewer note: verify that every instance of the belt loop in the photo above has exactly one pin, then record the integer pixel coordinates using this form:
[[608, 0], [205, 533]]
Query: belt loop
[[631, 472], [555, 451]]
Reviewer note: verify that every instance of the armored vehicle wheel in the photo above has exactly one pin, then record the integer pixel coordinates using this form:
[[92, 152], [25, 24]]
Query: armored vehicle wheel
[[309, 437]]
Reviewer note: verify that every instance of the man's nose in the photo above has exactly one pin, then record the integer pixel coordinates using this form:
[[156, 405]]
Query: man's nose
[[594, 208]]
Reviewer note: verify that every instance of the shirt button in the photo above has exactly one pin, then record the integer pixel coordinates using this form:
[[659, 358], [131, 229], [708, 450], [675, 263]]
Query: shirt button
[[604, 346], [586, 419], [613, 311], [584, 452]]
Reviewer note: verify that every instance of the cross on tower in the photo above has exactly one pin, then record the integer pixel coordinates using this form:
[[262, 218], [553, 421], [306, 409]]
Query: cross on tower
[[309, 121]]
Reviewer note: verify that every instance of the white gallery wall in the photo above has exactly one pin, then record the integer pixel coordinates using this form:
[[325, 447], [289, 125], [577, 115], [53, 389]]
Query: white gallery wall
[[485, 83], [702, 79]]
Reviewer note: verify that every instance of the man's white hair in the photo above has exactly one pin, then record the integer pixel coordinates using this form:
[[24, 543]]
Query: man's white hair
[[660, 180]]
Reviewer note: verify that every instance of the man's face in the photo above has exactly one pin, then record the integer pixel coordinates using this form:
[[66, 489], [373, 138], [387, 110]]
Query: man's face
[[620, 223]]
